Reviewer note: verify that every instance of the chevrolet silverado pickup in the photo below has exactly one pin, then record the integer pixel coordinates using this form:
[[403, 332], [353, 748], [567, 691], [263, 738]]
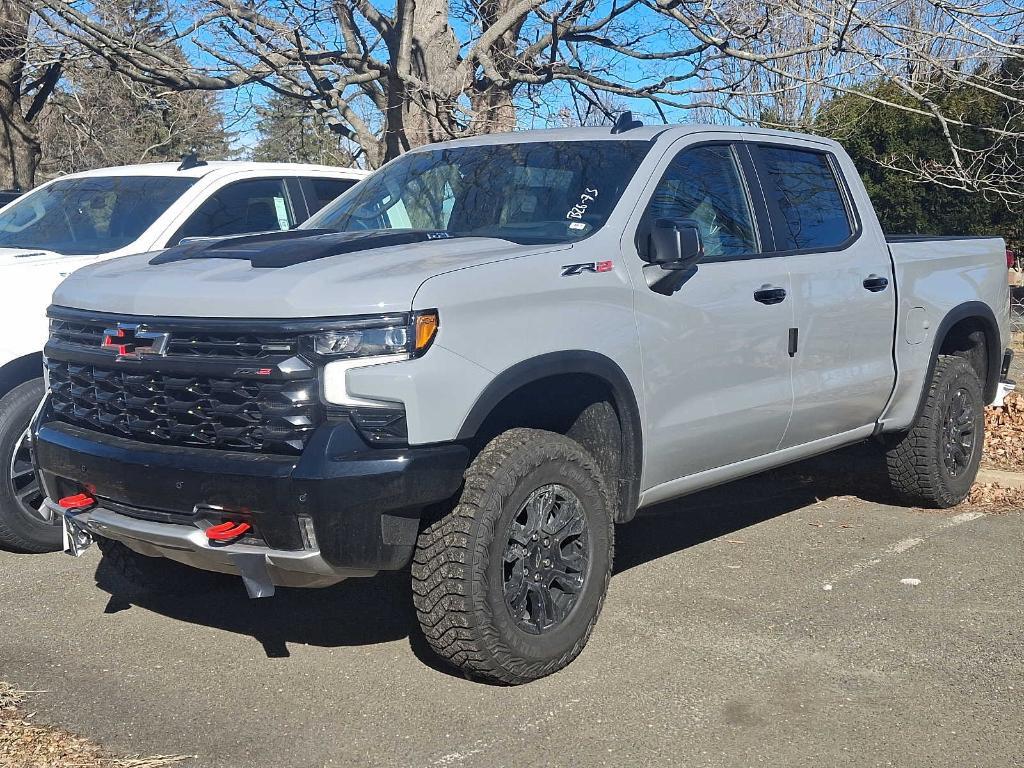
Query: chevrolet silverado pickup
[[480, 359], [98, 215]]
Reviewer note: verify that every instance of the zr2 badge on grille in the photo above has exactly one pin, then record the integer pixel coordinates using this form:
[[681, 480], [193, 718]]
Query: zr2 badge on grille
[[131, 341]]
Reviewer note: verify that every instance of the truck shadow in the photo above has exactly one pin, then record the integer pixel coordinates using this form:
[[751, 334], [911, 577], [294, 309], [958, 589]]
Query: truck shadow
[[379, 609]]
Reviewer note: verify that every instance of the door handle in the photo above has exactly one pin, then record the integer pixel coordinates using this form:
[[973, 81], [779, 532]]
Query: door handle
[[876, 283], [770, 294]]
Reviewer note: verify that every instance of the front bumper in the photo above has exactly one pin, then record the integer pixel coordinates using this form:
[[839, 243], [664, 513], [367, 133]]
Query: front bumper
[[260, 567], [342, 508]]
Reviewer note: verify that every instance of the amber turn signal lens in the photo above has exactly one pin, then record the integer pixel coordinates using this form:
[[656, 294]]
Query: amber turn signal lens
[[426, 329]]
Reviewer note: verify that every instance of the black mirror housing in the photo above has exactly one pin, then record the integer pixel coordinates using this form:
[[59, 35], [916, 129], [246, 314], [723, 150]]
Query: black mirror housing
[[675, 244]]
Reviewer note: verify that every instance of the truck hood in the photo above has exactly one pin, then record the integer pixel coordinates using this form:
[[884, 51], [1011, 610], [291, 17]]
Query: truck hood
[[285, 276]]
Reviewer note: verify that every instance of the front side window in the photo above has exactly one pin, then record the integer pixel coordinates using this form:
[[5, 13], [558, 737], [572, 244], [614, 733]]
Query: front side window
[[812, 210], [255, 205], [534, 192], [704, 185], [89, 216]]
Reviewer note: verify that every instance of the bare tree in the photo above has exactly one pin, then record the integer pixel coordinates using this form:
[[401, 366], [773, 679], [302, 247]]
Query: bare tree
[[25, 86], [425, 70], [385, 81], [778, 61]]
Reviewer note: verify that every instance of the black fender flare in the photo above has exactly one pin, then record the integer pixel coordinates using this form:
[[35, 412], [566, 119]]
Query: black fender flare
[[569, 362], [969, 310], [20, 370]]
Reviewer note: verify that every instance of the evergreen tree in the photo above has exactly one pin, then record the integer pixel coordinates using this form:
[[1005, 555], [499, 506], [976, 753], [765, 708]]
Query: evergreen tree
[[879, 137], [291, 132], [99, 117]]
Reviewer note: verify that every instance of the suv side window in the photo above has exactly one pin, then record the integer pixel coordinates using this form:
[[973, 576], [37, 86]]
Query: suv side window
[[254, 205], [704, 184], [812, 209], [324, 190]]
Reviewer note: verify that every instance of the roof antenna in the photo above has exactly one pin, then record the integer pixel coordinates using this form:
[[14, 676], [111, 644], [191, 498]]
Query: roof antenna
[[625, 122], [190, 161]]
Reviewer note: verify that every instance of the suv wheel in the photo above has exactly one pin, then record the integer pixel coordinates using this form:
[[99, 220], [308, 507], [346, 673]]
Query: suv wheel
[[935, 463], [25, 524], [508, 585]]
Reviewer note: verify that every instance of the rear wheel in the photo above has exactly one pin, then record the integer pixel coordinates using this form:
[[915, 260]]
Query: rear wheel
[[509, 584], [935, 463], [25, 524]]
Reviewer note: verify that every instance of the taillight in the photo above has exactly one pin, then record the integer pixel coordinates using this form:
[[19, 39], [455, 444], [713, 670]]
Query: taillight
[[1011, 259]]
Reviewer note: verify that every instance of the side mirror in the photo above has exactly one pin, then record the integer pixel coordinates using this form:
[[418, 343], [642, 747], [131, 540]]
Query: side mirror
[[675, 244]]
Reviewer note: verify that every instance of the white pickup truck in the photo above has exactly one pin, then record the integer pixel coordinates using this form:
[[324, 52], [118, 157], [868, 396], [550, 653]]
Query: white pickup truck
[[484, 355], [98, 215]]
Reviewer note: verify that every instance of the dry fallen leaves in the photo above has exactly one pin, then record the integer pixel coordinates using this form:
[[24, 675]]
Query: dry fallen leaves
[[26, 745], [996, 497], [1004, 434]]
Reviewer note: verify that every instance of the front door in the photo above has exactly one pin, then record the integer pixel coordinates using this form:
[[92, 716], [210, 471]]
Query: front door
[[717, 373]]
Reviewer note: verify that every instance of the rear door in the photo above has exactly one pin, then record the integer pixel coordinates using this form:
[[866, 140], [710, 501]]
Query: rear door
[[717, 381], [843, 291]]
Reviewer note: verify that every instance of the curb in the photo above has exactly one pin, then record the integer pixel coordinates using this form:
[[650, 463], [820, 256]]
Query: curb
[[1001, 477]]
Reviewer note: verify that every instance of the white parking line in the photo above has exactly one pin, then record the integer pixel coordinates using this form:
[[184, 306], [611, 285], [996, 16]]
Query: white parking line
[[904, 545]]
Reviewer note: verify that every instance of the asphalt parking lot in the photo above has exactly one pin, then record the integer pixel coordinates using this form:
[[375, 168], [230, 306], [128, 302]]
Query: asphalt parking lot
[[750, 625]]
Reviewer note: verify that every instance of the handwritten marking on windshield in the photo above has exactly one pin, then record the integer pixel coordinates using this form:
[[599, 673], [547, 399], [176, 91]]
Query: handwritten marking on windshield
[[576, 212]]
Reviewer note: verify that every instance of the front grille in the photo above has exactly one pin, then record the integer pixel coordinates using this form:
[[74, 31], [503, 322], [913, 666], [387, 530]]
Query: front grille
[[225, 345], [197, 411], [235, 346], [78, 333]]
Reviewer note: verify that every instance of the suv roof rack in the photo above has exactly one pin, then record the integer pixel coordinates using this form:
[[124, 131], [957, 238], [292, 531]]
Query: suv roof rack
[[625, 122], [190, 161]]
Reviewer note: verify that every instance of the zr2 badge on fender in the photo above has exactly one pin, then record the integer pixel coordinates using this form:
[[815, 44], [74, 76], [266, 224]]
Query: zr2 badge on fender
[[570, 270]]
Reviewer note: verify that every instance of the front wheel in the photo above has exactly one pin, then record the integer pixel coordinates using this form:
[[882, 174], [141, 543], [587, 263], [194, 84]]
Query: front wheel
[[25, 524], [509, 584], [935, 463]]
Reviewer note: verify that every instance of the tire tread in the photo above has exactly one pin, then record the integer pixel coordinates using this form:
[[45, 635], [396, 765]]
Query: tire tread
[[455, 621]]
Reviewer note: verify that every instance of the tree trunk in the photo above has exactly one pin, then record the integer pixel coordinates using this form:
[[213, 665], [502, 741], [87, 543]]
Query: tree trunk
[[19, 145], [425, 49]]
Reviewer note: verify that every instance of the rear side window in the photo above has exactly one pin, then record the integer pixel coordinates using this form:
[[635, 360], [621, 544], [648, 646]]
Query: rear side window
[[325, 191], [811, 208], [256, 205], [703, 185]]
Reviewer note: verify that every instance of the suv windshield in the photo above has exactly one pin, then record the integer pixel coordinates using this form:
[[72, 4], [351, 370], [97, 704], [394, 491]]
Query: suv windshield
[[89, 216], [538, 192]]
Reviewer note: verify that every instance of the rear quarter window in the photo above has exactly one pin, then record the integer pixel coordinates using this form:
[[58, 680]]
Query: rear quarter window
[[811, 211], [325, 190]]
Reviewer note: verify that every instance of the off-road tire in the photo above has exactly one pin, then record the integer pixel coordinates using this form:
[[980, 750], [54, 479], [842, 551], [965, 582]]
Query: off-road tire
[[457, 581], [20, 529], [917, 470], [155, 575]]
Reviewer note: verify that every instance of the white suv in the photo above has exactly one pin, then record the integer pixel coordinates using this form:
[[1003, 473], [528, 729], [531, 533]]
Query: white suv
[[98, 215]]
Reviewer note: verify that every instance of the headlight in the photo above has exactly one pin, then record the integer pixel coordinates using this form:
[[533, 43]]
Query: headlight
[[386, 335]]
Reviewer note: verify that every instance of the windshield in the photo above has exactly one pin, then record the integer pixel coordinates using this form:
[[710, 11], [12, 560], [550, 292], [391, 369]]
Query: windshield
[[89, 216], [538, 192]]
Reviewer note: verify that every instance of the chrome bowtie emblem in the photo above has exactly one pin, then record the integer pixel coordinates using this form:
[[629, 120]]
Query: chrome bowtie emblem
[[131, 341]]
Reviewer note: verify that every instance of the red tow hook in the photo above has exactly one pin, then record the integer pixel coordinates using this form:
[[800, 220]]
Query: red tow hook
[[77, 502], [227, 531]]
